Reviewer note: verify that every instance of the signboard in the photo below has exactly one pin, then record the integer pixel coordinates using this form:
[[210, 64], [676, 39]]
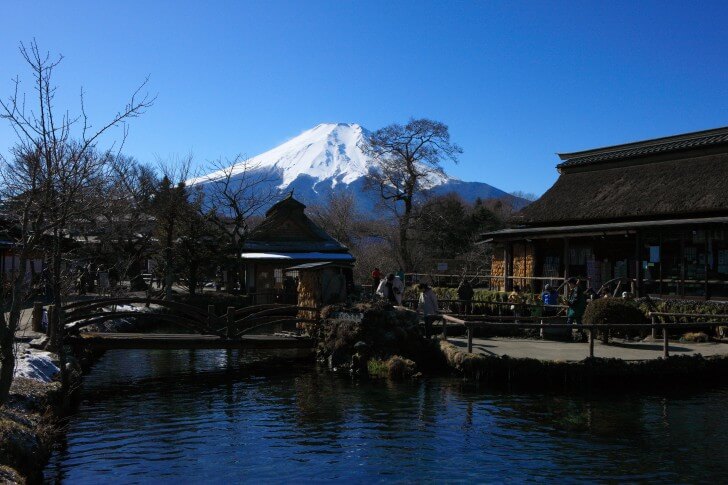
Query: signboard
[[441, 266]]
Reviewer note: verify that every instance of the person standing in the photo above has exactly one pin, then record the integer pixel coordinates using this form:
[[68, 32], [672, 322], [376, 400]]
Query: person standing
[[386, 289], [376, 280], [576, 302], [398, 289], [427, 306], [465, 295]]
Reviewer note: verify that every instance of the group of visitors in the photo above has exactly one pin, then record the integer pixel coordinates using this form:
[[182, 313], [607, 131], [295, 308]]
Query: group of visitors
[[391, 288]]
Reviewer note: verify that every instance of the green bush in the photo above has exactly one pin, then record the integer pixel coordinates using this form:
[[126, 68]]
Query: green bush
[[613, 310]]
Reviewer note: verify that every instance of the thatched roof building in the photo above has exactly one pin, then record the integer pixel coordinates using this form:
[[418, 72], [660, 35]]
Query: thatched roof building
[[288, 238], [656, 207]]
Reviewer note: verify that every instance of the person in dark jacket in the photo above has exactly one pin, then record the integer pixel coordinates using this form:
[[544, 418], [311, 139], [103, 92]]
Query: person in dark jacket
[[465, 295], [576, 302], [549, 297]]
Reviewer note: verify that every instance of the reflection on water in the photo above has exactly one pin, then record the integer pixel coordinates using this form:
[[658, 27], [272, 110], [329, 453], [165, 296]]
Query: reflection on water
[[208, 416]]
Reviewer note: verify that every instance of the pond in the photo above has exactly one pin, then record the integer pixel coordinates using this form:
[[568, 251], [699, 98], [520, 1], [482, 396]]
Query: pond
[[214, 417]]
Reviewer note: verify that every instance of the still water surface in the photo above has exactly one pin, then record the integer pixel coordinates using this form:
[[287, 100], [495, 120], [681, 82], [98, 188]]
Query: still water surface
[[206, 417]]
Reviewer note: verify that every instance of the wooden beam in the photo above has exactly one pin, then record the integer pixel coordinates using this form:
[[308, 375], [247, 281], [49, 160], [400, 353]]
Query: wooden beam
[[109, 341]]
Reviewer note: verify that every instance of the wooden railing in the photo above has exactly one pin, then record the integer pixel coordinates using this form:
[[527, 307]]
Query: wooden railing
[[453, 306], [235, 323], [543, 322]]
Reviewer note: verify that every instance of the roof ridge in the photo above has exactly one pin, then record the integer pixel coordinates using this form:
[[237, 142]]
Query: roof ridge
[[647, 142], [653, 145]]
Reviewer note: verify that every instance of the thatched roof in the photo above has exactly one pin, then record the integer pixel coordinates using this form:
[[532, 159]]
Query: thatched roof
[[286, 228], [652, 182]]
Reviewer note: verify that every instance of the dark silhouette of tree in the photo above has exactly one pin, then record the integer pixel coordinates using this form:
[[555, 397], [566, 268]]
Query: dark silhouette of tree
[[408, 161], [54, 164]]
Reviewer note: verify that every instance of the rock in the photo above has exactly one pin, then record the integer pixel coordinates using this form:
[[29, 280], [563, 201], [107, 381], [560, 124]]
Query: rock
[[39, 343]]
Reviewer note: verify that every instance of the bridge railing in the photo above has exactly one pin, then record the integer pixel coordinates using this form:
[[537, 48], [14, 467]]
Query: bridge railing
[[235, 323]]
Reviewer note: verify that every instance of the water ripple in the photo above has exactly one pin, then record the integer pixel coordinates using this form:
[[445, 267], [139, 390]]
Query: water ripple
[[209, 417]]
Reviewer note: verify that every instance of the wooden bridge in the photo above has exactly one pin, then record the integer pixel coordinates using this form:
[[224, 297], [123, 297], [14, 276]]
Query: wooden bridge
[[203, 329]]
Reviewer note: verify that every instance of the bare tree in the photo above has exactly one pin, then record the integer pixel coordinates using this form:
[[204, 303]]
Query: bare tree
[[54, 162], [529, 196], [408, 160], [236, 193], [340, 217], [122, 223]]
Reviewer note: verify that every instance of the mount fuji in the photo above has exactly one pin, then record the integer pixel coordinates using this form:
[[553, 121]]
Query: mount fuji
[[328, 159]]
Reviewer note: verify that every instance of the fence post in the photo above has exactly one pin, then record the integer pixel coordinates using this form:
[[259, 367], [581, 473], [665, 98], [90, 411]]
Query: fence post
[[37, 322], [654, 330], [444, 329], [230, 321], [591, 342], [210, 315], [52, 326], [51, 321], [470, 337], [665, 347]]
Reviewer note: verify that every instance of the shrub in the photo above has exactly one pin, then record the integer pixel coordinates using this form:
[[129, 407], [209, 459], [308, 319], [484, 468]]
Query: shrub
[[400, 368], [695, 337], [613, 310]]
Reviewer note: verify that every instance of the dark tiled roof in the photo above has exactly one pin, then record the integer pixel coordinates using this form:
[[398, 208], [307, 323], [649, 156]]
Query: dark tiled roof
[[697, 139]]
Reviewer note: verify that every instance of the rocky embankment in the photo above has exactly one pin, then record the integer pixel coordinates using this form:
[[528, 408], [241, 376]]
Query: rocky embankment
[[595, 373], [29, 420], [374, 338]]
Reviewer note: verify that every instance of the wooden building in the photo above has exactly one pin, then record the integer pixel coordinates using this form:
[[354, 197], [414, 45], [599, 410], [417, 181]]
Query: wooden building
[[288, 238], [653, 214]]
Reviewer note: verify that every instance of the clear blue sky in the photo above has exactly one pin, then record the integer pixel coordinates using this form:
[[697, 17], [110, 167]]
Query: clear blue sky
[[516, 82]]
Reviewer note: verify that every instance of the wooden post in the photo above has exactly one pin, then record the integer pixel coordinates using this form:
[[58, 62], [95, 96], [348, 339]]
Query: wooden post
[[567, 261], [665, 347], [52, 330], [654, 329], [230, 321], [638, 262], [706, 267], [506, 265], [37, 325], [591, 342], [470, 338], [444, 329]]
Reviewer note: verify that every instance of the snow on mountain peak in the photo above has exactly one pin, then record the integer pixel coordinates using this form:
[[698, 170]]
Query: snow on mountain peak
[[328, 158], [328, 151]]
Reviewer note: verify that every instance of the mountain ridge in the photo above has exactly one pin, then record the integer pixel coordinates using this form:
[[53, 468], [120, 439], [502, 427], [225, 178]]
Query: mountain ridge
[[328, 158]]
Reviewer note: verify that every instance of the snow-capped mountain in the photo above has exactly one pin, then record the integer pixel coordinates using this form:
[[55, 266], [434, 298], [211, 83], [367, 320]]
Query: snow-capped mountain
[[328, 159]]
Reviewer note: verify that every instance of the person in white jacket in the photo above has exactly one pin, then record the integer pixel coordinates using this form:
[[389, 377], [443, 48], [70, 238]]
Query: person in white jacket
[[427, 306], [391, 289]]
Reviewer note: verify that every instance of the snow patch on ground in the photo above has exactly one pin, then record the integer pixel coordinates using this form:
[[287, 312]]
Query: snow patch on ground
[[35, 364]]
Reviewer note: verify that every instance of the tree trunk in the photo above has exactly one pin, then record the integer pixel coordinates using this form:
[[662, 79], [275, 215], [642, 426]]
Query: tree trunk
[[169, 273], [404, 243], [7, 358], [193, 279], [56, 257], [8, 328]]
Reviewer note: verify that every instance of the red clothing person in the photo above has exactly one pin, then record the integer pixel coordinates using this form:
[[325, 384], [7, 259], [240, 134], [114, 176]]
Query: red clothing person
[[376, 277]]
